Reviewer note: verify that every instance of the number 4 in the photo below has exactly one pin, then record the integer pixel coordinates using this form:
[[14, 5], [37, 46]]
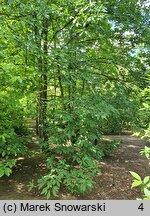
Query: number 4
[[141, 207]]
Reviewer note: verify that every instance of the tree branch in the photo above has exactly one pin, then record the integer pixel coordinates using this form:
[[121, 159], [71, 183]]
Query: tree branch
[[63, 27]]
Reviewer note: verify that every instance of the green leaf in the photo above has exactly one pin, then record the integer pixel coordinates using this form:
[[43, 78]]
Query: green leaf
[[44, 191], [54, 190], [146, 179], [49, 184], [147, 192], [148, 184], [48, 195], [31, 185], [135, 175], [41, 183], [3, 154], [11, 163], [8, 171], [136, 183], [1, 172]]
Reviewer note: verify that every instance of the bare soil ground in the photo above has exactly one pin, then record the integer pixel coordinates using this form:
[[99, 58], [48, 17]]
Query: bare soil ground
[[114, 181]]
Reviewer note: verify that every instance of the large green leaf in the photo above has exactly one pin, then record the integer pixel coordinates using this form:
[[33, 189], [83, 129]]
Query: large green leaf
[[135, 175], [136, 183]]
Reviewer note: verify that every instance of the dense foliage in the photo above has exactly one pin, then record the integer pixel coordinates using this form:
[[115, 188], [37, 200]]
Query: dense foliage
[[80, 70]]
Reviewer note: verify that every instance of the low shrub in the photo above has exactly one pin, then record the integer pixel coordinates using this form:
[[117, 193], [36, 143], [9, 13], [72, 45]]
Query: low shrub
[[145, 183], [72, 167]]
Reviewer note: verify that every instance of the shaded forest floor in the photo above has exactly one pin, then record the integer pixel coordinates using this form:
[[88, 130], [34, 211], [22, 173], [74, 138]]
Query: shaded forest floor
[[114, 182]]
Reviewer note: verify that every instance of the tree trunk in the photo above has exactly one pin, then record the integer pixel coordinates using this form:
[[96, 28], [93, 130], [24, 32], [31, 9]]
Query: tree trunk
[[42, 43], [43, 84]]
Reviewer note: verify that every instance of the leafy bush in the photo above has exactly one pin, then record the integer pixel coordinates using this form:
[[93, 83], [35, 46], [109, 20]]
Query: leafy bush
[[71, 167], [71, 156], [6, 167], [144, 111], [78, 181], [146, 152], [12, 128], [145, 183], [124, 109], [50, 184], [11, 145], [75, 181]]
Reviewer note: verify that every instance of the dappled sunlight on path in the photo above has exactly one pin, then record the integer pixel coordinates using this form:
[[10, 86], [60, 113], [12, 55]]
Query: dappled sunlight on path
[[115, 179]]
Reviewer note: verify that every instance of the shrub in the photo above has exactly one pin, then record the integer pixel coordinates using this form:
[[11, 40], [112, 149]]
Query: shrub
[[71, 157], [5, 167], [12, 128], [145, 183], [71, 167]]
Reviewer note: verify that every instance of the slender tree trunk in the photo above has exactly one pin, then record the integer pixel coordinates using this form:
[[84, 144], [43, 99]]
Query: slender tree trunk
[[61, 88], [39, 101], [42, 44], [39, 65], [43, 86]]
